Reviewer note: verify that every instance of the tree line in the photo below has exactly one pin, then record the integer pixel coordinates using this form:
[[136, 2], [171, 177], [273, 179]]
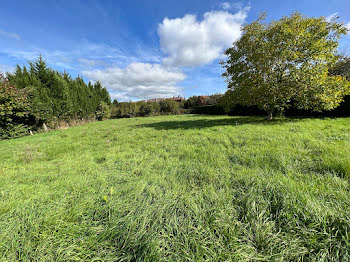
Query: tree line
[[29, 99], [163, 107], [290, 66], [38, 95]]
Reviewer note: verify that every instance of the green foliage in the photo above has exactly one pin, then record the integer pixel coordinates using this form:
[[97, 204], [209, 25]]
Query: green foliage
[[13, 130], [141, 108], [287, 60], [192, 102], [155, 107], [213, 99], [103, 111], [55, 96], [169, 106], [124, 109], [102, 93], [13, 110], [341, 68], [178, 188], [146, 109]]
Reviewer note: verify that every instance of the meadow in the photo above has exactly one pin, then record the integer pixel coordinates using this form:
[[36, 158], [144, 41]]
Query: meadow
[[178, 188]]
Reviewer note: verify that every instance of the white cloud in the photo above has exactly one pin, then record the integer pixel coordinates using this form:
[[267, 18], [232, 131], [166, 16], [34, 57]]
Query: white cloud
[[186, 42], [189, 42], [231, 6], [57, 58], [119, 97], [9, 35], [226, 5], [139, 80], [90, 63], [84, 55], [347, 25]]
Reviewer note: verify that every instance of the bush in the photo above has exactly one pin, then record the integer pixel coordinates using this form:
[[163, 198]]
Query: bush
[[169, 106], [103, 111], [13, 110], [192, 102], [145, 109], [124, 109], [13, 130], [142, 108]]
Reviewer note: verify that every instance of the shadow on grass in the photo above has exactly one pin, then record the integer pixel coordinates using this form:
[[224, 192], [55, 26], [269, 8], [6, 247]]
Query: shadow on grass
[[205, 123]]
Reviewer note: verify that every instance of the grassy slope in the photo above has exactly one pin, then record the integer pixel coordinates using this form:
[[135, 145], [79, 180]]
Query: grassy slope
[[178, 188]]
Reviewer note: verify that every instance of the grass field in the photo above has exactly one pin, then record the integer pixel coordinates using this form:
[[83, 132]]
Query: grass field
[[178, 188]]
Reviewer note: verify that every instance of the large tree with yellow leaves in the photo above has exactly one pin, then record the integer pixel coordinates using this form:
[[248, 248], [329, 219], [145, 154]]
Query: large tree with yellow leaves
[[282, 62]]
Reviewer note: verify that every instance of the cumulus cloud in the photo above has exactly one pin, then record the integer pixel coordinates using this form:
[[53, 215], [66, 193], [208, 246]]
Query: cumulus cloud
[[186, 42], [139, 80], [9, 35], [189, 42]]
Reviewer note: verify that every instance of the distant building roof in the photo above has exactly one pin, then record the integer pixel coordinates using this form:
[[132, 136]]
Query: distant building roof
[[177, 99]]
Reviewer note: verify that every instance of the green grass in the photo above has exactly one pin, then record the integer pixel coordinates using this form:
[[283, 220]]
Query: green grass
[[178, 188]]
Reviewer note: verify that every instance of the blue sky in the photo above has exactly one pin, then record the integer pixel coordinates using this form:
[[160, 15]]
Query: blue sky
[[140, 49]]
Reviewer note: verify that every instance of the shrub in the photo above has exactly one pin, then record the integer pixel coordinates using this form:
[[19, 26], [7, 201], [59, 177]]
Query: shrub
[[13, 110], [145, 109], [192, 102], [103, 111], [124, 109], [169, 106]]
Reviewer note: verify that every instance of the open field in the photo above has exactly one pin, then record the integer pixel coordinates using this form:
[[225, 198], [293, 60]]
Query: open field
[[178, 188]]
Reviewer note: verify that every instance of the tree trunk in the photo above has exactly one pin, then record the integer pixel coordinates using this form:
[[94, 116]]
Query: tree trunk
[[269, 115]]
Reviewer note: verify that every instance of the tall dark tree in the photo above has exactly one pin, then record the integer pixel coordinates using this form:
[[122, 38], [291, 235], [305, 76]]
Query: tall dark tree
[[54, 96]]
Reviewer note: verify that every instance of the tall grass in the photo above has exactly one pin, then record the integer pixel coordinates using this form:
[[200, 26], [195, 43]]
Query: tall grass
[[178, 188]]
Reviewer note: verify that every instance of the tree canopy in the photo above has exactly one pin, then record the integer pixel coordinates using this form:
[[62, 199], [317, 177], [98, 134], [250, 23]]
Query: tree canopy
[[13, 109], [287, 61], [341, 67], [39, 94]]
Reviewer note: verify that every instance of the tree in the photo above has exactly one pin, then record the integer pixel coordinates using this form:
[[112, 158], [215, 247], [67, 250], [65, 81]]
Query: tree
[[55, 96], [145, 109], [102, 93], [193, 102], [13, 110], [169, 106], [275, 64], [103, 111], [341, 67], [213, 99]]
